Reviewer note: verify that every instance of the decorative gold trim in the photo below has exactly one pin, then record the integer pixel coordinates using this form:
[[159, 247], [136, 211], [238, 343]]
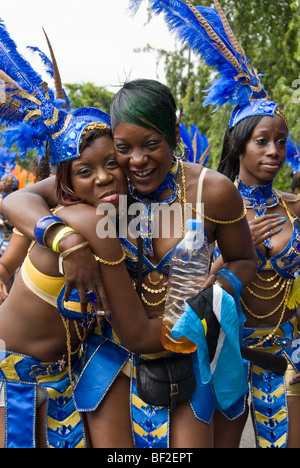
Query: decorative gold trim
[[54, 119], [55, 135]]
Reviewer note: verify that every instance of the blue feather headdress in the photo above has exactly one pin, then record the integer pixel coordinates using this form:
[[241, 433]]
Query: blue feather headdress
[[207, 32], [293, 154], [196, 144], [30, 112]]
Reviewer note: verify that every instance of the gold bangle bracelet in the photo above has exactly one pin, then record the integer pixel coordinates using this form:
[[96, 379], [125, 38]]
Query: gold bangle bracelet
[[117, 262], [73, 249]]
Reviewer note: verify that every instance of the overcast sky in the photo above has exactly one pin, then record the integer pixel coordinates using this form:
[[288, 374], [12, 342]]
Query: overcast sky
[[93, 40]]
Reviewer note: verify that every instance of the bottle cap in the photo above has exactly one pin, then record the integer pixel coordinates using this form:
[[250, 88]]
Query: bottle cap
[[194, 224]]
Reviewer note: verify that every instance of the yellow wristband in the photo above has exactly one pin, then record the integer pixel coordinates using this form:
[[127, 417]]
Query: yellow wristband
[[63, 232]]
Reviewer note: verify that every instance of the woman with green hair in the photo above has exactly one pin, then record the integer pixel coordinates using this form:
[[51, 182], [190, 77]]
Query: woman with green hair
[[146, 134]]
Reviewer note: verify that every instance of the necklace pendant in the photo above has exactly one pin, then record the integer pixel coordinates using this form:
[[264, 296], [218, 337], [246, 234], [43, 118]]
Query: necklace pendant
[[260, 210]]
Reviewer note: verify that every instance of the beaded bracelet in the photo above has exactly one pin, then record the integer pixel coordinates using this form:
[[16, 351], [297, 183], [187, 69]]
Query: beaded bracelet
[[42, 226], [106, 262], [62, 233]]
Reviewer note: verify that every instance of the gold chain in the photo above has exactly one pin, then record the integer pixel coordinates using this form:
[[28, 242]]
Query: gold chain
[[258, 286], [267, 298], [153, 291], [267, 280], [288, 284], [183, 200], [273, 332], [155, 283], [106, 262], [153, 304]]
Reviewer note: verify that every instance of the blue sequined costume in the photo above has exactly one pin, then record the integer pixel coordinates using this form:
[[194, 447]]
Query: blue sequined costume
[[20, 378]]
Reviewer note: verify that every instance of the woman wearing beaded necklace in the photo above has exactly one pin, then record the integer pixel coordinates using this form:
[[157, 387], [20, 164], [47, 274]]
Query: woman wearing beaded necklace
[[145, 135], [253, 153]]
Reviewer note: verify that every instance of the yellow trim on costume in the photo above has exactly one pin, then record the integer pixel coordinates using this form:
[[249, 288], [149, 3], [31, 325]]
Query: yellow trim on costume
[[44, 286], [279, 417], [160, 432], [204, 323], [7, 366], [31, 114], [54, 118], [259, 394], [55, 135], [294, 298], [266, 444], [71, 420]]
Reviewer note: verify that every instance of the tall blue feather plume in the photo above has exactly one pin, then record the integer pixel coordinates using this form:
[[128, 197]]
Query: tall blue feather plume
[[14, 64], [207, 33], [293, 154]]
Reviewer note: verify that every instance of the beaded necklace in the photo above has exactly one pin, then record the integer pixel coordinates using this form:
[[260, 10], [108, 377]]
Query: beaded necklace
[[146, 214], [258, 195], [261, 198]]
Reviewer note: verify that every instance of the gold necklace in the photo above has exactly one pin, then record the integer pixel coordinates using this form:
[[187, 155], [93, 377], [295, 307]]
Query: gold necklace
[[288, 286], [273, 332], [182, 199], [267, 298], [258, 286], [155, 283]]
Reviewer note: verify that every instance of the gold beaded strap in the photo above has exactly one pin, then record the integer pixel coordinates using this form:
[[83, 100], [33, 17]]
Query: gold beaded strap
[[216, 221], [106, 262], [289, 284]]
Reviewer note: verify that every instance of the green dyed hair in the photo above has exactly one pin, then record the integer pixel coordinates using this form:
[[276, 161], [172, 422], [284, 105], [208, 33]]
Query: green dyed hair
[[146, 103]]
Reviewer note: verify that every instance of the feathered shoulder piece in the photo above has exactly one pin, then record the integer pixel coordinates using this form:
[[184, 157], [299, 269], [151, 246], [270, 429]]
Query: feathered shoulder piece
[[207, 32], [196, 144], [31, 114]]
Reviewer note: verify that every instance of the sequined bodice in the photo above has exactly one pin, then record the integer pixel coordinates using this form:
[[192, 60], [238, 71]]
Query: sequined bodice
[[287, 262]]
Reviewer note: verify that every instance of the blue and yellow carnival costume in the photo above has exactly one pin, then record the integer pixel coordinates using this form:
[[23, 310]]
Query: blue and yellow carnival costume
[[270, 390], [21, 380], [26, 383]]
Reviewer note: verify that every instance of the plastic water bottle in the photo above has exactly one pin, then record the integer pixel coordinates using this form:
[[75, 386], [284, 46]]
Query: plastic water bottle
[[189, 267]]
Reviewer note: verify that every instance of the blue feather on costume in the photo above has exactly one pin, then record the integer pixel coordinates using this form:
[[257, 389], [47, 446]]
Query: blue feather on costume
[[207, 32], [196, 144], [14, 64], [293, 154]]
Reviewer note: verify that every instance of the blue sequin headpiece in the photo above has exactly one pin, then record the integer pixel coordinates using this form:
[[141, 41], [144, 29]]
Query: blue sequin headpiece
[[258, 107], [31, 113], [208, 33]]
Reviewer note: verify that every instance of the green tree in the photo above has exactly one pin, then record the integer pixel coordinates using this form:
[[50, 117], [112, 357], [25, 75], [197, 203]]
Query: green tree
[[89, 95]]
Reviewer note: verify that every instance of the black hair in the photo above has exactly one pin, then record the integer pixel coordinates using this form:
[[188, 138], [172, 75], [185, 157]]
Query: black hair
[[147, 103]]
